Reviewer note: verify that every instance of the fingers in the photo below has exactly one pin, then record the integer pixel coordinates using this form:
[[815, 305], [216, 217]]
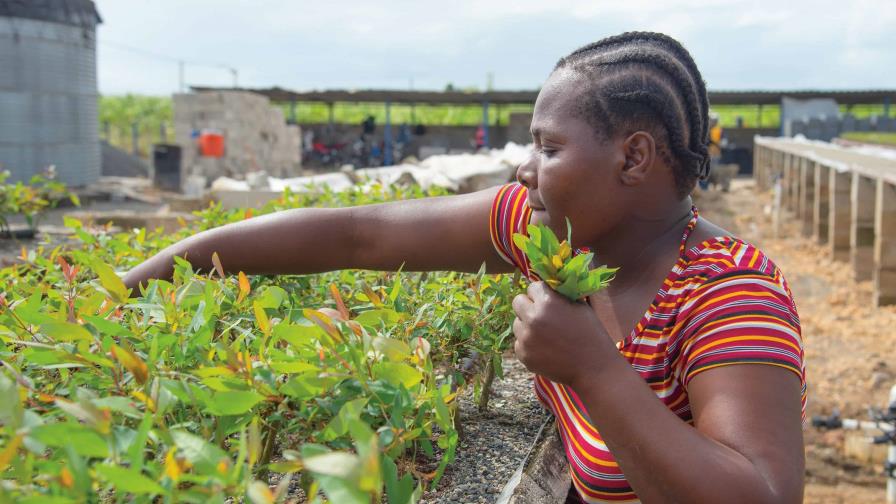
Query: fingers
[[522, 306], [539, 291], [519, 330]]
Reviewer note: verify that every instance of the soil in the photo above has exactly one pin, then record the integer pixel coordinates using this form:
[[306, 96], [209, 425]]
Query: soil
[[850, 363]]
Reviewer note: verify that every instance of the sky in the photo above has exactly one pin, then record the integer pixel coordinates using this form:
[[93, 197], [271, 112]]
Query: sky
[[424, 45]]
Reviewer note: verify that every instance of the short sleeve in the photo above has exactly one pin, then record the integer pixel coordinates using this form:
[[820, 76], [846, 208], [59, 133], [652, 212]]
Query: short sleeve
[[510, 214], [741, 317]]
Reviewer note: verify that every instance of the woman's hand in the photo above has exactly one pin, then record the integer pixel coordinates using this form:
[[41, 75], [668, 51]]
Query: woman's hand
[[559, 339]]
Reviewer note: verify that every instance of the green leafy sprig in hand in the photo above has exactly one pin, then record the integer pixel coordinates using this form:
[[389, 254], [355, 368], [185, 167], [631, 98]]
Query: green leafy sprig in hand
[[553, 262]]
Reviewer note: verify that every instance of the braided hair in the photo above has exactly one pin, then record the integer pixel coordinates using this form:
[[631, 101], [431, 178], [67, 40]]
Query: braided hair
[[647, 81]]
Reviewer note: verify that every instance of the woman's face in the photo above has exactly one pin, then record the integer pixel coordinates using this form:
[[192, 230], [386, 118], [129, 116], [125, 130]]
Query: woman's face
[[572, 173]]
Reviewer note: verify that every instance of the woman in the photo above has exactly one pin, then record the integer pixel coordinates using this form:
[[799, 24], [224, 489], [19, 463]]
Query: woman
[[642, 379]]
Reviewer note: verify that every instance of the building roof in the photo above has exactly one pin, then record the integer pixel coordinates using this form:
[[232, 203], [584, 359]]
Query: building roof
[[507, 97], [71, 12]]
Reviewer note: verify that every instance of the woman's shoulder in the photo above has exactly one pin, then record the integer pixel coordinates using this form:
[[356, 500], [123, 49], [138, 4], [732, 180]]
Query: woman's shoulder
[[719, 251], [731, 267]]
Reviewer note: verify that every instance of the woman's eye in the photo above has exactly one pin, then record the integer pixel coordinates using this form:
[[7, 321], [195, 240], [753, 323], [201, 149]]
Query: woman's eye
[[548, 152]]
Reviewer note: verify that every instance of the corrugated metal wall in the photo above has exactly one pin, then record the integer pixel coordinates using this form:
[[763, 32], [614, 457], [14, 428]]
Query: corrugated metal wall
[[48, 100]]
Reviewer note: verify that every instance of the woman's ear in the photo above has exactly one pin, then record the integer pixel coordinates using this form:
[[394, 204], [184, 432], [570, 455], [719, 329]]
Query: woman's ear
[[639, 150]]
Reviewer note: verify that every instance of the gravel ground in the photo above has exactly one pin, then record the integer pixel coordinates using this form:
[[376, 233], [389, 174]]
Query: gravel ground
[[495, 442]]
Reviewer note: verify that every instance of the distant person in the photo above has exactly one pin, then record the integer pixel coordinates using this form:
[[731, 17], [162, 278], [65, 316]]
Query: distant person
[[480, 137], [404, 134], [368, 125], [308, 143], [715, 145]]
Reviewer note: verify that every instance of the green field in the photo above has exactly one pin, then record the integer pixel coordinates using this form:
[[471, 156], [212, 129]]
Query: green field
[[871, 137], [149, 113]]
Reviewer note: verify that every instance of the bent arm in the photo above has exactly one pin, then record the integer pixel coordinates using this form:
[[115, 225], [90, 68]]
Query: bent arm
[[444, 233], [747, 445]]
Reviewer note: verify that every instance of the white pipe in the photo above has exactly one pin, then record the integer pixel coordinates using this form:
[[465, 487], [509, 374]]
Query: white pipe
[[891, 459], [853, 424]]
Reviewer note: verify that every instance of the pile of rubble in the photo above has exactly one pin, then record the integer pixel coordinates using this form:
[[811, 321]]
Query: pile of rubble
[[459, 173]]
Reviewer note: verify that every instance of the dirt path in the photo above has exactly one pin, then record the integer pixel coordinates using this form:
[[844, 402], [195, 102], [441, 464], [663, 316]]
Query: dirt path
[[851, 361]]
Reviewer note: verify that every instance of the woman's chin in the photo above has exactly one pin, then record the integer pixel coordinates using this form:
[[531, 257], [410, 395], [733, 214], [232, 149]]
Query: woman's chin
[[539, 217]]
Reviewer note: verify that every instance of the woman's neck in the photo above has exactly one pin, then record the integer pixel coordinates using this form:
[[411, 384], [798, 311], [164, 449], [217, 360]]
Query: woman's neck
[[637, 244]]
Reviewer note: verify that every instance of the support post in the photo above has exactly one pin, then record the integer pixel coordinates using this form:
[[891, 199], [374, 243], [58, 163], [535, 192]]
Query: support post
[[790, 182], [884, 273], [292, 112], [485, 124], [798, 184], [758, 160], [861, 227], [821, 207], [839, 214], [807, 195], [387, 136]]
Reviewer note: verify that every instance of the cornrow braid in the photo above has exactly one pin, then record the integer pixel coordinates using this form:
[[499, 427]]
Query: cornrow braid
[[643, 80]]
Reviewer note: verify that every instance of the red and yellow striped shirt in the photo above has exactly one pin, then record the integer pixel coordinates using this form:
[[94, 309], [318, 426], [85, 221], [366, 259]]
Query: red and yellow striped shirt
[[723, 303]]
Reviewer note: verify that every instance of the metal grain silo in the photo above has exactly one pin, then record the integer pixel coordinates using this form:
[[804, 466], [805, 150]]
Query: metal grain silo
[[48, 89]]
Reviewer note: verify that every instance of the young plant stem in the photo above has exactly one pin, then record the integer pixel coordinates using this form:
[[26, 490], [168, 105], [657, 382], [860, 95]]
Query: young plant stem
[[486, 392]]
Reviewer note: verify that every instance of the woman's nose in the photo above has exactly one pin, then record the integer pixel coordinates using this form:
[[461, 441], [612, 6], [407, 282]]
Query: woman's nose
[[526, 174]]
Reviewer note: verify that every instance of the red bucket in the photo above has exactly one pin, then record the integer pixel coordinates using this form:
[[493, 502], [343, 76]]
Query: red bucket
[[211, 144]]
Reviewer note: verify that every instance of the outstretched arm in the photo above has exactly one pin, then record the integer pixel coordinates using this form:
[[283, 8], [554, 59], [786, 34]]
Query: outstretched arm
[[444, 233]]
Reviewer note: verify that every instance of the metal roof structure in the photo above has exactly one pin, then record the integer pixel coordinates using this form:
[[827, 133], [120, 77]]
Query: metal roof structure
[[843, 97], [70, 12]]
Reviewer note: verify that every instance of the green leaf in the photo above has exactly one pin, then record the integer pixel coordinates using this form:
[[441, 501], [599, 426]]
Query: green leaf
[[398, 491], [45, 499], [569, 288], [259, 493], [576, 265], [397, 373], [66, 331], [335, 463], [272, 297], [521, 241], [376, 318], [393, 349], [293, 367], [85, 441], [105, 326], [30, 310], [234, 402], [128, 480], [349, 411], [199, 452], [111, 282], [11, 411], [135, 452], [298, 335], [305, 386]]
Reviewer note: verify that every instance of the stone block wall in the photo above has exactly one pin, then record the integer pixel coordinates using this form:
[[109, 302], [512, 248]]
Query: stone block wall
[[256, 136]]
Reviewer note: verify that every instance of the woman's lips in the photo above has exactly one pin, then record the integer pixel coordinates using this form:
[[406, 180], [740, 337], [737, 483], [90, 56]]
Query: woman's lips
[[533, 206]]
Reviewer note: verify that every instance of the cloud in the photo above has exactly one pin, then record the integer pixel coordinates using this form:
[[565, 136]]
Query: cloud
[[310, 44]]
